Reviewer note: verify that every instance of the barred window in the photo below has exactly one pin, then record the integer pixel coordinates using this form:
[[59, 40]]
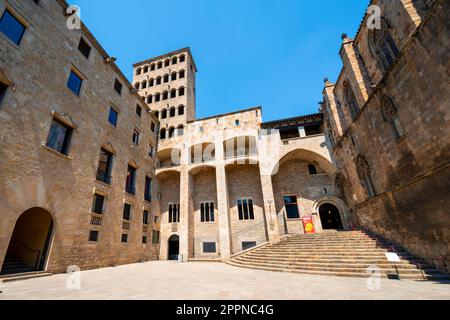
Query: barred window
[[209, 247], [245, 209], [98, 204], [207, 212], [174, 213]]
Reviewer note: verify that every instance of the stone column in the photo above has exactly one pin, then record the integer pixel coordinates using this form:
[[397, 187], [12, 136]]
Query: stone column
[[185, 205], [273, 229], [222, 202]]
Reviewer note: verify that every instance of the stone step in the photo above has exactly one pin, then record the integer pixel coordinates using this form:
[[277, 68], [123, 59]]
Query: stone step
[[342, 273], [354, 269], [23, 276], [340, 260], [326, 250], [306, 257], [340, 264]]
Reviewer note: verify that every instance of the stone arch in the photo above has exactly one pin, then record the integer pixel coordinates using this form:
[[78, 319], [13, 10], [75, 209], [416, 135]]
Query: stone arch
[[30, 242], [344, 210]]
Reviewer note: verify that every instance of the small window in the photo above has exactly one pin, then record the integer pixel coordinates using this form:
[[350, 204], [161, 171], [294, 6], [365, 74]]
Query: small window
[[182, 74], [145, 217], [165, 95], [150, 151], [237, 122], [155, 236], [93, 236], [164, 114], [144, 239], [160, 65], [158, 80], [150, 99], [148, 189], [3, 88], [152, 67], [131, 180], [135, 137], [104, 166], [290, 203], [153, 127], [74, 83], [209, 247], [182, 58], [145, 69], [59, 137], [155, 219], [166, 78], [181, 110], [11, 27], [173, 94], [157, 97], [127, 212], [157, 114], [162, 134], [174, 60], [98, 203], [166, 63], [245, 209], [139, 110], [181, 92], [207, 212], [112, 118], [312, 169], [138, 71], [118, 86], [174, 213], [84, 48], [248, 245], [151, 82], [144, 84], [174, 76], [124, 238], [172, 112]]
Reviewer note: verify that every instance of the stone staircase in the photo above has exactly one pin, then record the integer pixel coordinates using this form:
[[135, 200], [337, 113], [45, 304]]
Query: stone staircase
[[12, 265], [340, 253]]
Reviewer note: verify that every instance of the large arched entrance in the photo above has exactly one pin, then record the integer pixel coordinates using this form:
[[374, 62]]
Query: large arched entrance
[[30, 241], [174, 247], [330, 217]]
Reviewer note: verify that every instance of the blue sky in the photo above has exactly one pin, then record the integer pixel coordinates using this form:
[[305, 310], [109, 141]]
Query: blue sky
[[249, 52]]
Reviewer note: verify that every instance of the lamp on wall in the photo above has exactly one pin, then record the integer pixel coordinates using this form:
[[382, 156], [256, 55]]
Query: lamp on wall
[[110, 60]]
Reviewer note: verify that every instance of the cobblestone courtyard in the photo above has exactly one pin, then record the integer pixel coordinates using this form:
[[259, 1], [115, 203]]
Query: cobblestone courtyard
[[190, 281]]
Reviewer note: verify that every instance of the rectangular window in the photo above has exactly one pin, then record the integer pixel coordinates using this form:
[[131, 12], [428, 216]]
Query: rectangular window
[[155, 219], [150, 151], [126, 212], [3, 88], [118, 86], [124, 238], [369, 187], [148, 189], [207, 212], [112, 116], [93, 236], [11, 27], [104, 166], [290, 203], [209, 247], [84, 48], [152, 127], [145, 217], [131, 178], [155, 237], [98, 203], [74, 83], [59, 137], [139, 110], [135, 137], [245, 209], [144, 239], [248, 244], [174, 213]]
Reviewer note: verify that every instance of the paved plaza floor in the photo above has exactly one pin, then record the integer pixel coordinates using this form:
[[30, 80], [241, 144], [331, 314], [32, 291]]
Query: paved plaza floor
[[208, 280]]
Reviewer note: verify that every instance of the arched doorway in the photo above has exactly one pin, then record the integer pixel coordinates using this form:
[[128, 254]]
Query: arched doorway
[[330, 217], [174, 247], [29, 244]]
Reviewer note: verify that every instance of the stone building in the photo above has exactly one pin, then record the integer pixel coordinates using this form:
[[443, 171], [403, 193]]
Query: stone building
[[96, 171], [216, 176], [75, 163], [387, 116]]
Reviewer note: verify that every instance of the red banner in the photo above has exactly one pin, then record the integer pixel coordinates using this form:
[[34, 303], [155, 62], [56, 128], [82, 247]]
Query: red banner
[[308, 224]]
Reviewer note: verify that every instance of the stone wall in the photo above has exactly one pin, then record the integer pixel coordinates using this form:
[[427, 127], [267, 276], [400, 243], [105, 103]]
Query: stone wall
[[34, 175]]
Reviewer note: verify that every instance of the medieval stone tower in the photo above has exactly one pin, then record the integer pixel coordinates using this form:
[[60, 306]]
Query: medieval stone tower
[[167, 84]]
